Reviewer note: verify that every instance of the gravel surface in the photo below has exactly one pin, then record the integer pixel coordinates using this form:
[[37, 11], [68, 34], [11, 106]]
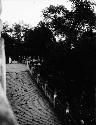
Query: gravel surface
[[28, 103]]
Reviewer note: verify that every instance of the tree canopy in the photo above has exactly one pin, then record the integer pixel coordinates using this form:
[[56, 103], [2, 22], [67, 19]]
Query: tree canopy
[[70, 24]]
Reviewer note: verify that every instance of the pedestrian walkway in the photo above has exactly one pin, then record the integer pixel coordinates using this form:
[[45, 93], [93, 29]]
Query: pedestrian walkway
[[27, 101], [16, 67]]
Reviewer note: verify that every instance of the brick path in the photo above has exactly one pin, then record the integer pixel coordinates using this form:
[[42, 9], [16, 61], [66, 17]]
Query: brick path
[[27, 101]]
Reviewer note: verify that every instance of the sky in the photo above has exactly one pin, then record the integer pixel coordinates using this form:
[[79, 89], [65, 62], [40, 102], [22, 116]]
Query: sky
[[27, 11]]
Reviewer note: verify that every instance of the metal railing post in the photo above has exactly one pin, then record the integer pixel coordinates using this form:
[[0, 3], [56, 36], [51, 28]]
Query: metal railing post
[[55, 95]]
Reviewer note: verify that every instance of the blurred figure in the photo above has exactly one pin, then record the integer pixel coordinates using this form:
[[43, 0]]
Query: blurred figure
[[10, 60]]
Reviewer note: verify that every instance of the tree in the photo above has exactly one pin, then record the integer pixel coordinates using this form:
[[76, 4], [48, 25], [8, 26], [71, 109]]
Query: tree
[[39, 40], [19, 31], [70, 24], [14, 39]]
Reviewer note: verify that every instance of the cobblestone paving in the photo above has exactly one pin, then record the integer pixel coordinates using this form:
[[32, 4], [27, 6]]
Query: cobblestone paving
[[28, 103]]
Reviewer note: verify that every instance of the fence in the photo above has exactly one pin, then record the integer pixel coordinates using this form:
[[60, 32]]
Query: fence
[[52, 95]]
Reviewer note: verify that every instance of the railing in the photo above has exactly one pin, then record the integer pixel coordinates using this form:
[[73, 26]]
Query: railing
[[65, 109], [52, 95]]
